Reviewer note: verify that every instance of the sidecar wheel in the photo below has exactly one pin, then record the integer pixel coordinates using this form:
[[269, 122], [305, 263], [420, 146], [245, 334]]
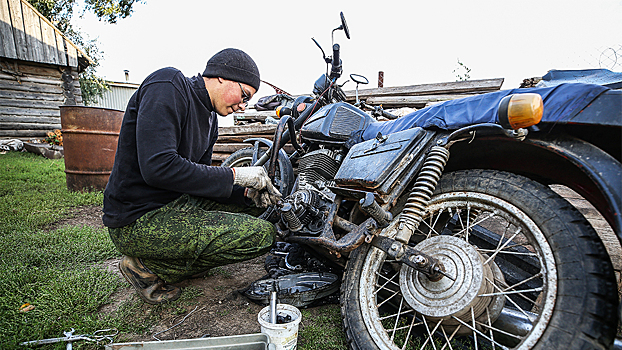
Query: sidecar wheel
[[530, 273]]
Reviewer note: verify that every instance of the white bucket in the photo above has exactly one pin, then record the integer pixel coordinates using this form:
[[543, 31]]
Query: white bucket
[[283, 335]]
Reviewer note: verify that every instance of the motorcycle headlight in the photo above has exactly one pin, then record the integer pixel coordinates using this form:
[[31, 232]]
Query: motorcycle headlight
[[520, 110]]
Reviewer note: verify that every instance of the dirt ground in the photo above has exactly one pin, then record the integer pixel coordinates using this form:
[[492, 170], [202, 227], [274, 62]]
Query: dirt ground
[[214, 303]]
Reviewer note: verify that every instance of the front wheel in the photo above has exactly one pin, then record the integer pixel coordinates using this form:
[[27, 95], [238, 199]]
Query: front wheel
[[530, 273]]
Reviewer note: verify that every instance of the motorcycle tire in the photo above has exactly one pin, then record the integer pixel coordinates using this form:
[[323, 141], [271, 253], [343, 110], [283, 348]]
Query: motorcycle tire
[[241, 157], [549, 280]]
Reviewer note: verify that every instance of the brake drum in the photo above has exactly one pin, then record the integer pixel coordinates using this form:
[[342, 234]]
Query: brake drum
[[467, 298]]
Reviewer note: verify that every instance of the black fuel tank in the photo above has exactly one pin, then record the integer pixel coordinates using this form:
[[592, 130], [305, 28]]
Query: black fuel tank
[[334, 123]]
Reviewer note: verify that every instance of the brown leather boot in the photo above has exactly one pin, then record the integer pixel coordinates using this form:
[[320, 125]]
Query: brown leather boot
[[151, 288]]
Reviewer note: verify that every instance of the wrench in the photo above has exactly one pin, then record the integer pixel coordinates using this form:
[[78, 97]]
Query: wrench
[[69, 338]]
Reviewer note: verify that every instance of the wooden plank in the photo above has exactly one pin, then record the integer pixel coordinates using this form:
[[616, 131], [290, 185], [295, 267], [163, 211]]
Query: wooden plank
[[33, 79], [60, 45], [410, 101], [255, 113], [483, 85], [24, 133], [72, 54], [17, 20], [21, 95], [247, 129], [251, 114], [48, 35], [15, 86], [232, 147], [30, 68], [229, 147], [32, 28], [36, 103], [29, 111], [219, 157], [24, 119], [7, 42], [28, 126]]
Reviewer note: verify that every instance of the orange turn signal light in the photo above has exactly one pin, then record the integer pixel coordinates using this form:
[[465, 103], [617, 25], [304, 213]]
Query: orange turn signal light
[[282, 111], [520, 110]]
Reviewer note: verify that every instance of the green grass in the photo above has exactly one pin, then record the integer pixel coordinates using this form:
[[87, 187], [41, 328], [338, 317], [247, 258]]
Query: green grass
[[55, 271], [59, 271], [321, 329], [33, 192]]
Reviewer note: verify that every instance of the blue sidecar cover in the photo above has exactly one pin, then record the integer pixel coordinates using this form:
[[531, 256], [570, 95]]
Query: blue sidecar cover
[[561, 103]]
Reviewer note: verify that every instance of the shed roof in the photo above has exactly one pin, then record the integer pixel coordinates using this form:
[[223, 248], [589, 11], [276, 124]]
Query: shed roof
[[25, 34]]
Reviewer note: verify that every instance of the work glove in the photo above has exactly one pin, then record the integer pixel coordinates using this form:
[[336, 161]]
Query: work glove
[[262, 198], [255, 177]]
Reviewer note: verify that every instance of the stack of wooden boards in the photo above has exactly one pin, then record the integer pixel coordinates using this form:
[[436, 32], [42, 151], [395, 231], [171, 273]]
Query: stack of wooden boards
[[419, 96], [250, 123]]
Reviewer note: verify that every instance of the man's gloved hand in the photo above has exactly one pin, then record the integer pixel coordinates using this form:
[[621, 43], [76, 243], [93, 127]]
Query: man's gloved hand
[[262, 198], [255, 177]]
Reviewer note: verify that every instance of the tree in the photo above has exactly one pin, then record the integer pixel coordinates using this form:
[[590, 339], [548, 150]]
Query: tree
[[462, 72], [60, 13]]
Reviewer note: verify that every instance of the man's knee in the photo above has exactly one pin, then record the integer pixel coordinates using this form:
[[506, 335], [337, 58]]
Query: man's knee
[[261, 235]]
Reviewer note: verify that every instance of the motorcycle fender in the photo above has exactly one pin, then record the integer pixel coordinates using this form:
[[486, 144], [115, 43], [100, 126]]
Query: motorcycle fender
[[602, 169], [551, 159]]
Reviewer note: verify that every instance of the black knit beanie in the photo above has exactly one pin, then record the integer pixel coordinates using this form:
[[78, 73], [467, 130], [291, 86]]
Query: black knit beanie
[[235, 65]]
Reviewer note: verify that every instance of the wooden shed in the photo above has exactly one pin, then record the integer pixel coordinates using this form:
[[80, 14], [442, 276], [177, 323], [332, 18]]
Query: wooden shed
[[39, 70]]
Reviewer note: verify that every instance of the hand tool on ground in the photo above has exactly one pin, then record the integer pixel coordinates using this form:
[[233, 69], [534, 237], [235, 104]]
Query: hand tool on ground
[[70, 338]]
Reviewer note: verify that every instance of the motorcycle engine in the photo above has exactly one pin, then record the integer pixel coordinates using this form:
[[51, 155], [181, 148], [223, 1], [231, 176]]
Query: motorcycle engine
[[305, 210]]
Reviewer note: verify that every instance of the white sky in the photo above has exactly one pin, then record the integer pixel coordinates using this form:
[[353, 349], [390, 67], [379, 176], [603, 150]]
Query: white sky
[[413, 42]]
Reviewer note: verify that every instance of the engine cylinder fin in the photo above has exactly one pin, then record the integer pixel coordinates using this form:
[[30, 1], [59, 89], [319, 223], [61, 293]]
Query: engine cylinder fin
[[318, 165]]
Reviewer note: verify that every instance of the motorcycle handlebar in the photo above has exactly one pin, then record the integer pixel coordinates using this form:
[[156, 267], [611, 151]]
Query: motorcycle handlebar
[[336, 61], [336, 69]]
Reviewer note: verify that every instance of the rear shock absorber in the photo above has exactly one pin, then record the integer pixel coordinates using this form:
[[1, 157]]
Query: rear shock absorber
[[428, 178]]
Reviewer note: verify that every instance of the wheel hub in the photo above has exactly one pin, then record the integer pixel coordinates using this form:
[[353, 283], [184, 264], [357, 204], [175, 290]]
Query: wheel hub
[[446, 299]]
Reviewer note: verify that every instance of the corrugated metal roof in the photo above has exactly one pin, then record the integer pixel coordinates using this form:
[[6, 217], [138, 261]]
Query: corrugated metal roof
[[118, 95]]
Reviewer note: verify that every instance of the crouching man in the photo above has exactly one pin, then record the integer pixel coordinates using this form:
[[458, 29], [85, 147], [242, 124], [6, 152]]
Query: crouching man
[[168, 211]]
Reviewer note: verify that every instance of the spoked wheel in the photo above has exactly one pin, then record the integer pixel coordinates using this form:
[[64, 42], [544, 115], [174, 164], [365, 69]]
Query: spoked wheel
[[529, 272]]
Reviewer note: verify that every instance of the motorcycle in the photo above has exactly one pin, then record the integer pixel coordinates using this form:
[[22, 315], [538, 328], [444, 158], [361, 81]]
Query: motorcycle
[[472, 251]]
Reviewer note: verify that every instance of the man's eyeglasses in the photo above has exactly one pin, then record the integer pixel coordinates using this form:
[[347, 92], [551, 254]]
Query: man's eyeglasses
[[245, 96]]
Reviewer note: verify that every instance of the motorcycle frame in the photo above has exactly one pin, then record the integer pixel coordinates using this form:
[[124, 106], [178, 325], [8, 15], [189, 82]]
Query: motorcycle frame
[[394, 187]]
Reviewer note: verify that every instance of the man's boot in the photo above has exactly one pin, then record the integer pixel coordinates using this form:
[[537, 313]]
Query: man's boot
[[151, 288]]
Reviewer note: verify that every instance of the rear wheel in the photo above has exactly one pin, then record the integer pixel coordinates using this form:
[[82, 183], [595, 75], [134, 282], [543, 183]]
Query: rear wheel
[[530, 273]]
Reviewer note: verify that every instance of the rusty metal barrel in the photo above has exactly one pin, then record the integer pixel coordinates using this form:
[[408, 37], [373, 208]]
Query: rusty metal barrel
[[90, 137]]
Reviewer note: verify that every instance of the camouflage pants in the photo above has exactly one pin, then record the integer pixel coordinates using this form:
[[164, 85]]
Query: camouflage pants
[[191, 235]]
